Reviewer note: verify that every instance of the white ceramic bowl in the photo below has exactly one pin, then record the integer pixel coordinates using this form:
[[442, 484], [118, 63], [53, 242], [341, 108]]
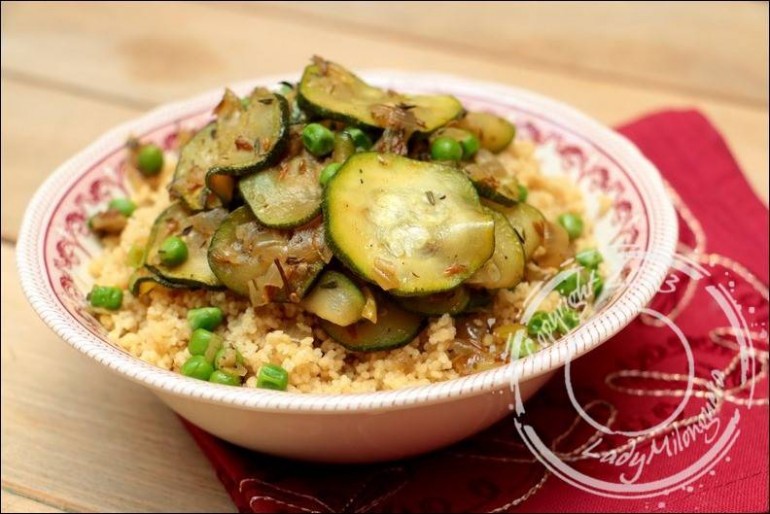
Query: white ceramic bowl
[[54, 245]]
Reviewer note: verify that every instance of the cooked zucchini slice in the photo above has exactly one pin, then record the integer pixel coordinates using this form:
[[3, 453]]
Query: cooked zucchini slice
[[449, 302], [196, 158], [529, 224], [395, 327], [250, 138], [287, 195], [196, 231], [336, 298], [492, 180], [506, 267], [142, 281], [503, 191], [264, 264], [222, 187], [494, 133], [411, 227], [246, 137], [331, 91]]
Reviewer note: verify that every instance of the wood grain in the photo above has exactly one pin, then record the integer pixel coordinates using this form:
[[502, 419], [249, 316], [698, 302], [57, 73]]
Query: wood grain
[[78, 437], [158, 52], [45, 128], [675, 46], [12, 502]]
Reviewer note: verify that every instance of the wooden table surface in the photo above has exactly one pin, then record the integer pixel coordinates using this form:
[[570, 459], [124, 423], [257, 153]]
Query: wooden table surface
[[75, 437]]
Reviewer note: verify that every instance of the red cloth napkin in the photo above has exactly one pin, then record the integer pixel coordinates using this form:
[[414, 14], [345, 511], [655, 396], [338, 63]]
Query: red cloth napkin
[[493, 472]]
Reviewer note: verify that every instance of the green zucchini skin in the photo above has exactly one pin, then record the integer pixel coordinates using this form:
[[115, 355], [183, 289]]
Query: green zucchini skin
[[237, 260], [492, 181], [195, 271], [376, 203], [395, 327], [143, 280], [285, 196], [450, 302], [330, 91], [240, 141], [505, 269], [335, 298], [481, 300], [528, 222], [195, 159], [263, 104], [494, 132], [493, 193]]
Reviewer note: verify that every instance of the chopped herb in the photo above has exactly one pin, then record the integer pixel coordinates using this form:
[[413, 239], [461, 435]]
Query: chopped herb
[[286, 285]]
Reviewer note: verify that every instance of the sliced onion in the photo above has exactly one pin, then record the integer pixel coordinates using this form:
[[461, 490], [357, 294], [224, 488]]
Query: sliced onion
[[206, 223], [229, 104], [556, 245]]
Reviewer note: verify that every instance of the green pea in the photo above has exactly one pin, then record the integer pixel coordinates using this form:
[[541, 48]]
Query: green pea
[[523, 193], [446, 149], [572, 223], [224, 378], [106, 297], [197, 367], [123, 205], [598, 284], [360, 138], [541, 324], [590, 258], [527, 346], [149, 160], [328, 172], [318, 139], [568, 319], [203, 342], [205, 317], [271, 376], [470, 144], [572, 282], [173, 251], [245, 102]]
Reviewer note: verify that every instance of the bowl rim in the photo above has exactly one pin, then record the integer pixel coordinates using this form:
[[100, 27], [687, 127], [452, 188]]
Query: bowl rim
[[598, 329]]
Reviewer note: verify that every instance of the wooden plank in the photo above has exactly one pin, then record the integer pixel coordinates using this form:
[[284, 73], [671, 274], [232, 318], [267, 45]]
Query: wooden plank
[[76, 435], [41, 129], [155, 52], [12, 502], [715, 48]]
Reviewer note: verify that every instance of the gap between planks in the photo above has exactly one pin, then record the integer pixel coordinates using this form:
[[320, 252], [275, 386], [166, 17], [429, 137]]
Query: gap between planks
[[29, 500], [366, 31], [75, 90]]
